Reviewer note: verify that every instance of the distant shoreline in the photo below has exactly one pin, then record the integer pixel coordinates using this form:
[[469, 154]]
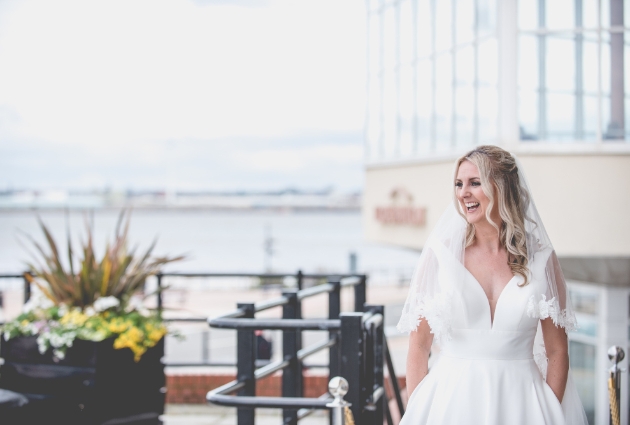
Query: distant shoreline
[[182, 208]]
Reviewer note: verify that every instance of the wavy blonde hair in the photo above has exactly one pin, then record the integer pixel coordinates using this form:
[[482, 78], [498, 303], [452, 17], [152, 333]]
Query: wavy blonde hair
[[501, 184]]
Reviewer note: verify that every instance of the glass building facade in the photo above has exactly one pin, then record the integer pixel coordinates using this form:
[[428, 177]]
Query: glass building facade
[[444, 75], [546, 79]]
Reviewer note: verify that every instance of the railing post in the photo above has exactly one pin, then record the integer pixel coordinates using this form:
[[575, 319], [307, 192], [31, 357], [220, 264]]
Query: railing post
[[616, 355], [291, 344], [300, 280], [334, 309], [374, 366], [338, 387], [27, 287], [359, 293], [246, 365], [159, 293], [352, 358]]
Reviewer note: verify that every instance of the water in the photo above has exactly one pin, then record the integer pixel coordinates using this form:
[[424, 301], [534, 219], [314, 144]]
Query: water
[[220, 241], [215, 241]]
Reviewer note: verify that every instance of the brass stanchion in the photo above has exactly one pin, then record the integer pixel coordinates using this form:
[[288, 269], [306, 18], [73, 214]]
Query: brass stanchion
[[616, 355]]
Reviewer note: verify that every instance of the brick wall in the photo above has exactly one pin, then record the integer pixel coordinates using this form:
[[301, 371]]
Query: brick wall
[[193, 388]]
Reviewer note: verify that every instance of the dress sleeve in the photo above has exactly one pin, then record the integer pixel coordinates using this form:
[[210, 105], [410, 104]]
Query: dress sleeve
[[427, 299], [553, 299]]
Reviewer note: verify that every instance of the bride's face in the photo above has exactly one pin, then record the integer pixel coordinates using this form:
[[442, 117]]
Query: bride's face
[[470, 195]]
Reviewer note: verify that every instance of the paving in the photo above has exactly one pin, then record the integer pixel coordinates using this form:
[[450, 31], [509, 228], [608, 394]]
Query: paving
[[199, 414]]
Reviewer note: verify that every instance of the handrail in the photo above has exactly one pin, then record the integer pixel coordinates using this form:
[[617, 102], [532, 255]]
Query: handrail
[[374, 320], [312, 349], [280, 324], [268, 402], [315, 290], [267, 304]]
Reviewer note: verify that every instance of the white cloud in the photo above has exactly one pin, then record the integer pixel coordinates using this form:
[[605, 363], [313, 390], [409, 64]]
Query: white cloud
[[279, 160], [103, 92]]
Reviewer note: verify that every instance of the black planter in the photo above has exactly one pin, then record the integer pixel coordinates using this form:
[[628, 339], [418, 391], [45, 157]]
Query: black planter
[[94, 384]]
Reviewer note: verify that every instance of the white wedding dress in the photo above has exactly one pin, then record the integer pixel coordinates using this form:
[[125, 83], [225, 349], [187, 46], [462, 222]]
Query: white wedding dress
[[486, 373]]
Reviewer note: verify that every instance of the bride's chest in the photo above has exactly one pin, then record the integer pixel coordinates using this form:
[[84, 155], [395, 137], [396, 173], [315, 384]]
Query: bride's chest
[[472, 308]]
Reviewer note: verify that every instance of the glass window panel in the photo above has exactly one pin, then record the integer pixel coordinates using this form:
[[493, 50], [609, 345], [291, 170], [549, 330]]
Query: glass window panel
[[560, 66], [588, 325], [425, 22], [443, 101], [406, 32], [406, 110], [465, 18], [373, 119], [582, 359], [528, 62], [589, 13], [464, 115], [605, 16], [626, 13], [390, 114], [389, 41], [627, 127], [487, 110], [590, 120], [443, 25], [486, 17], [374, 40], [605, 63], [590, 64], [528, 114], [464, 63], [560, 14], [487, 63], [527, 14], [560, 116], [373, 5], [425, 106]]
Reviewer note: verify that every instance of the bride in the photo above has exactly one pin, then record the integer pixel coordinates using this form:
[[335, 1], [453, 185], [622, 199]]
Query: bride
[[490, 293]]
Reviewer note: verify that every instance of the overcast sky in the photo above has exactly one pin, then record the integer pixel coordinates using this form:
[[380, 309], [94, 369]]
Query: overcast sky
[[182, 94]]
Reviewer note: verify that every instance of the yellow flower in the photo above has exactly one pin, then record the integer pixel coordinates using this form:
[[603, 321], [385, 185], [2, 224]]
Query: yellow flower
[[74, 317]]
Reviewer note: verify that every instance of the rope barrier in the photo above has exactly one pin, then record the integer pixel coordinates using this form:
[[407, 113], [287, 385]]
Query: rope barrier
[[614, 407], [349, 418]]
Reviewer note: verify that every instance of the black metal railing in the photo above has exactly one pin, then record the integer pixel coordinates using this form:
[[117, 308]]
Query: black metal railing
[[357, 351], [357, 347]]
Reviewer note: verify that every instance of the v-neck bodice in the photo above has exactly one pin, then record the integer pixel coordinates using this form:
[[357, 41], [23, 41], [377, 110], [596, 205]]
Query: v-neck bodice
[[475, 282]]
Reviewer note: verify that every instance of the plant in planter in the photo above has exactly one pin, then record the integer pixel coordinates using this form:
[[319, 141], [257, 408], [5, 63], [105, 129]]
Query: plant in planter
[[88, 314]]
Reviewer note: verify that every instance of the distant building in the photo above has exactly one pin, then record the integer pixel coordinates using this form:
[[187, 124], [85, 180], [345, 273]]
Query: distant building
[[546, 80]]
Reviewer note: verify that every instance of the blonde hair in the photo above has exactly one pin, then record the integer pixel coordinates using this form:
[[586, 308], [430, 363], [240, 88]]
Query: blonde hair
[[498, 170]]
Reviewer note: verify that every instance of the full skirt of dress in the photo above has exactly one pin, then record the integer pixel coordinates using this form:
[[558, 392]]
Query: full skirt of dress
[[460, 391]]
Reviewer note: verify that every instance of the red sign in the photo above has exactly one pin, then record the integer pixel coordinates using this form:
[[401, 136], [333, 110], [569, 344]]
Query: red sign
[[401, 214]]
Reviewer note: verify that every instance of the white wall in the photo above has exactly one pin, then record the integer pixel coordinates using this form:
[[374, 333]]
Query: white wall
[[583, 199]]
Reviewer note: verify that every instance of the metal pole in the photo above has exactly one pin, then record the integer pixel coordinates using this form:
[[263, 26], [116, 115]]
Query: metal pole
[[246, 365], [300, 280], [27, 287], [159, 293], [338, 387], [291, 344], [352, 358], [616, 355], [334, 309], [377, 351], [360, 294]]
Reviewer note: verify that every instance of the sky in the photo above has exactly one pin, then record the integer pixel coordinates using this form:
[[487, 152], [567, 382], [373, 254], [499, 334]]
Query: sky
[[182, 94]]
